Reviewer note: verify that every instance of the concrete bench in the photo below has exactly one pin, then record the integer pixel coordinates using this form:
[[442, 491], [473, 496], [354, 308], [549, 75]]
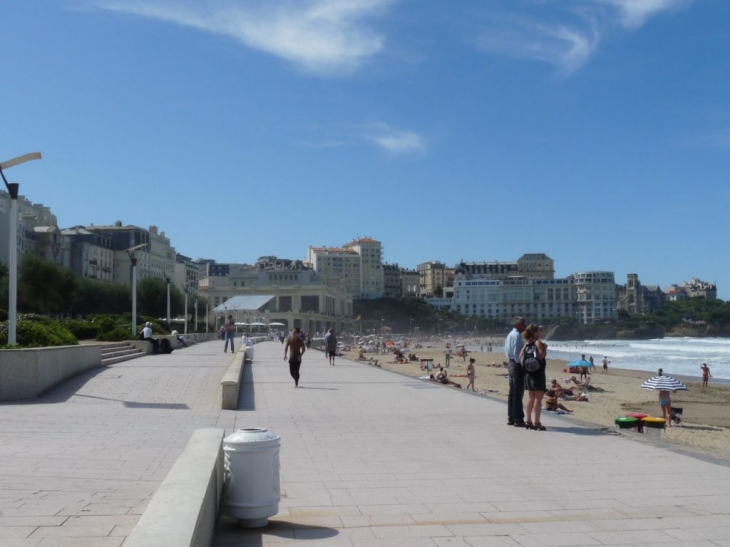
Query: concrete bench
[[184, 511]]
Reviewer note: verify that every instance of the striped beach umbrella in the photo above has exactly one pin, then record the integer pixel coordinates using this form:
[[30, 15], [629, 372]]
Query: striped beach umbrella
[[664, 383]]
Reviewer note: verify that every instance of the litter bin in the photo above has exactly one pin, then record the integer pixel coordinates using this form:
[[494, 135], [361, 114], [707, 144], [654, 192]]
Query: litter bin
[[626, 422], [252, 476], [640, 416], [654, 426]]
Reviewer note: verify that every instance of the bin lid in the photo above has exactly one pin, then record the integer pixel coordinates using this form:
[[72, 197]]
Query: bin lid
[[653, 420], [627, 420], [638, 415], [252, 435]]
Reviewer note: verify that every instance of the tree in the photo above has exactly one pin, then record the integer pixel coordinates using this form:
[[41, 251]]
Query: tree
[[101, 297], [45, 287]]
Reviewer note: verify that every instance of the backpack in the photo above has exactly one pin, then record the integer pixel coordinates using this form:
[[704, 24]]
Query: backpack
[[530, 361], [165, 346]]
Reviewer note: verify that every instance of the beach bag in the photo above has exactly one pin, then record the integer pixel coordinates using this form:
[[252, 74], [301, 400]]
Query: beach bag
[[529, 359]]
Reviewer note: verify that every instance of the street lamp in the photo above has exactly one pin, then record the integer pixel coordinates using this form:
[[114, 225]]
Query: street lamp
[[167, 279], [133, 259], [13, 189], [185, 288]]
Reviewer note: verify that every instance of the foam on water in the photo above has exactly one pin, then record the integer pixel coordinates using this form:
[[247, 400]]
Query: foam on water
[[678, 356]]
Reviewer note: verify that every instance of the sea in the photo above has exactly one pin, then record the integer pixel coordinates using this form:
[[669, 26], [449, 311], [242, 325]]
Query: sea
[[679, 357]]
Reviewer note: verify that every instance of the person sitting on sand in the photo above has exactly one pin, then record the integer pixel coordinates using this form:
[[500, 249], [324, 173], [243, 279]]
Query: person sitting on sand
[[360, 354], [443, 378], [552, 404], [554, 385]]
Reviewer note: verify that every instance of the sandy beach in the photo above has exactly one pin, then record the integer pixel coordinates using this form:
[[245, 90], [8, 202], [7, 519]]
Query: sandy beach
[[705, 425]]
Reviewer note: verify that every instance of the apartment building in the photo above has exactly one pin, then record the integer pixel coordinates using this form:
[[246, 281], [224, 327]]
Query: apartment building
[[90, 255], [432, 278], [371, 266], [357, 266]]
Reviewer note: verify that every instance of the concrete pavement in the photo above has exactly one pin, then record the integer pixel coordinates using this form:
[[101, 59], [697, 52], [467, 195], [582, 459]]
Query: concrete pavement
[[79, 465], [373, 458]]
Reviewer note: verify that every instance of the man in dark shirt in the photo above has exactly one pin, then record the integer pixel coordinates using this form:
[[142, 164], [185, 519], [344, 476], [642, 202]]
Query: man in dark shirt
[[296, 348]]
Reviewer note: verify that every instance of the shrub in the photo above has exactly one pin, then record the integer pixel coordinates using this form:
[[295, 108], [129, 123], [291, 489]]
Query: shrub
[[117, 334], [34, 331], [83, 330]]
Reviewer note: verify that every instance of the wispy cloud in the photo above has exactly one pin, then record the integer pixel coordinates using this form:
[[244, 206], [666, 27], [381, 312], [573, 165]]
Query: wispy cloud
[[395, 141], [634, 13], [321, 36], [567, 32]]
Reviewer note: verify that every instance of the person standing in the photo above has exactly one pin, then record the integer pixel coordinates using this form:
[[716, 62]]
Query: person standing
[[705, 375], [535, 381], [330, 346], [471, 374], [448, 355], [512, 348], [230, 332], [296, 348], [605, 364]]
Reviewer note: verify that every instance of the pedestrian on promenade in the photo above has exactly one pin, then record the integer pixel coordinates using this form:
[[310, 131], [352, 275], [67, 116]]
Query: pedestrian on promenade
[[535, 381], [512, 348], [330, 346], [229, 333], [705, 375], [296, 348]]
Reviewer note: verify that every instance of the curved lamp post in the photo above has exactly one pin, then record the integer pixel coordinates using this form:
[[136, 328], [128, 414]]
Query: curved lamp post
[[13, 189], [133, 258]]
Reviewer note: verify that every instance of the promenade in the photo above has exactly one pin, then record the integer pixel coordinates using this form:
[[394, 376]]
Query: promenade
[[368, 458], [372, 458], [79, 465]]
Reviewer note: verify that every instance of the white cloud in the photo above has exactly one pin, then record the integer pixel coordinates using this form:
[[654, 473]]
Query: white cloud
[[322, 36], [569, 31], [566, 47], [634, 13], [395, 141]]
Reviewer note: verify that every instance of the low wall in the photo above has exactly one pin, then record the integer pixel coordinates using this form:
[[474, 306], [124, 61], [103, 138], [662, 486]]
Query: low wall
[[184, 510], [199, 337], [28, 373], [231, 382]]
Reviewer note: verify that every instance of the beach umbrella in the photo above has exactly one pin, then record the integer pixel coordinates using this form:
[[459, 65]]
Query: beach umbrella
[[664, 383]]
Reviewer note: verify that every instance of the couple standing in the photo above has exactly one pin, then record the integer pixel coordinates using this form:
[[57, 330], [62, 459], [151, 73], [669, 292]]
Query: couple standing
[[525, 339]]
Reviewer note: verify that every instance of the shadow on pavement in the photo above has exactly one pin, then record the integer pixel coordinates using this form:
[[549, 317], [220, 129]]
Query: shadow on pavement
[[228, 533]]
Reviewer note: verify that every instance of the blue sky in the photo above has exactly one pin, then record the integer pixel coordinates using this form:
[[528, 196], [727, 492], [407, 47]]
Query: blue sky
[[595, 131]]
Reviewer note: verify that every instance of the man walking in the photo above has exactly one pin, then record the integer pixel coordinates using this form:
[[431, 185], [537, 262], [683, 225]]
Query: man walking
[[512, 348], [296, 347], [230, 332], [330, 346]]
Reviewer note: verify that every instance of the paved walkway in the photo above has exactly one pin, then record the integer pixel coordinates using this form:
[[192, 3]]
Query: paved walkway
[[373, 458], [78, 466]]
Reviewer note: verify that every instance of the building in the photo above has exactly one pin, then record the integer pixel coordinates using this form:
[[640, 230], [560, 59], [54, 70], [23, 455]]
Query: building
[[156, 259], [529, 266], [295, 296], [90, 254], [37, 231], [400, 282], [357, 266], [635, 298], [371, 266], [432, 278], [337, 266], [595, 297], [696, 288]]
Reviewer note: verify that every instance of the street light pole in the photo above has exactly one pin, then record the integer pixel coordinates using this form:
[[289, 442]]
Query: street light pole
[[168, 299], [133, 260], [13, 189]]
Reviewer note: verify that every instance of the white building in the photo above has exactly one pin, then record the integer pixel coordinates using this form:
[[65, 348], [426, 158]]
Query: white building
[[298, 295], [358, 266], [90, 255]]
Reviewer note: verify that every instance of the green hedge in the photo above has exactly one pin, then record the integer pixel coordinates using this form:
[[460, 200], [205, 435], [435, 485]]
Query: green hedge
[[83, 330], [117, 334], [36, 331]]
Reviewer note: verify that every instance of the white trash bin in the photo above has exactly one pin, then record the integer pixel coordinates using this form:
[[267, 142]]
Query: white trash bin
[[248, 354], [252, 476]]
